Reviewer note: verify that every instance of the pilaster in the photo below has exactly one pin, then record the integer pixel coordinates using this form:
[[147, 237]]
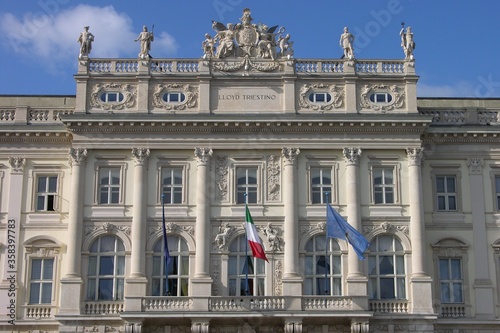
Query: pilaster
[[483, 287], [420, 283], [71, 283]]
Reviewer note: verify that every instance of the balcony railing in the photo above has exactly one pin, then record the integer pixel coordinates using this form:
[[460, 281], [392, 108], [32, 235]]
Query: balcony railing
[[453, 310], [389, 306], [39, 311], [103, 308]]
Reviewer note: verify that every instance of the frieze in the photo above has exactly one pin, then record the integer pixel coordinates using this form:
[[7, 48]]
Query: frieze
[[273, 178], [129, 96], [191, 95], [108, 228], [337, 96], [397, 97], [246, 64], [221, 172]]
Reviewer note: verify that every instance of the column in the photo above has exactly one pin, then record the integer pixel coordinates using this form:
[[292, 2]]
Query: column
[[292, 281], [138, 267], [71, 283], [136, 282], [202, 283], [357, 283], [421, 284], [483, 287]]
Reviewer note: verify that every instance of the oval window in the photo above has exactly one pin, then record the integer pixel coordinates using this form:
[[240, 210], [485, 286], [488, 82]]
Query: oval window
[[322, 97], [112, 97], [382, 98], [174, 97]]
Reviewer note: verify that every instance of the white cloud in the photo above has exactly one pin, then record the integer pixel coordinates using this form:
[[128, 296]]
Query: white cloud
[[53, 37]]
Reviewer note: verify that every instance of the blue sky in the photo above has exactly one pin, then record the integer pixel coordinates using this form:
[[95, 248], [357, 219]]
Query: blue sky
[[457, 42]]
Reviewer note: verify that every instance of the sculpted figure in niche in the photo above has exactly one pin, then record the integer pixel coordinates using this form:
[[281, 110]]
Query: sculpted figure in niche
[[223, 235], [145, 38], [407, 42], [208, 46], [346, 42], [86, 38]]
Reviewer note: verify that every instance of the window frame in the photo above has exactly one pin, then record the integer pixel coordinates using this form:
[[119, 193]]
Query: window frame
[[450, 281], [184, 166], [332, 277], [259, 166], [41, 281], [180, 95], [239, 278], [386, 95], [107, 94], [396, 173], [122, 166], [395, 276], [175, 252], [115, 277], [327, 97], [332, 197], [454, 171], [46, 171]]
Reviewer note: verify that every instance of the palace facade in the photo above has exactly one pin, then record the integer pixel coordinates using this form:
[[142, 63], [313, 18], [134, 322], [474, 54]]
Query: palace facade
[[85, 181]]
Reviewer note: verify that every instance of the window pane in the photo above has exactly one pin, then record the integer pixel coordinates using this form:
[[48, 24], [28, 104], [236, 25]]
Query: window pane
[[445, 293], [440, 184], [184, 269], [450, 184], [34, 293], [119, 288], [91, 289], [400, 265], [386, 265], [105, 292], [42, 184], [48, 267], [441, 203], [157, 265], [46, 293], [92, 266], [387, 288], [40, 202], [401, 288], [308, 288], [106, 265], [309, 265], [456, 270], [443, 269], [107, 244], [36, 269], [120, 265], [452, 205], [336, 265], [385, 243], [457, 292], [103, 198], [372, 288], [155, 287], [53, 184], [321, 265], [372, 265]]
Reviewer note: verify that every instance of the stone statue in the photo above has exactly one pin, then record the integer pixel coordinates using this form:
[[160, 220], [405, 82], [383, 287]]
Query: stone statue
[[407, 42], [285, 46], [226, 40], [86, 38], [266, 46], [223, 235], [346, 42], [208, 46], [145, 37], [272, 237]]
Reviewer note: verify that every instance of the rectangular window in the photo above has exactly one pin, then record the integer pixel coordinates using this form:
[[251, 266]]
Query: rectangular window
[[321, 185], [451, 280], [109, 185], [446, 193], [172, 185], [383, 185], [46, 193], [42, 272], [246, 185], [497, 191]]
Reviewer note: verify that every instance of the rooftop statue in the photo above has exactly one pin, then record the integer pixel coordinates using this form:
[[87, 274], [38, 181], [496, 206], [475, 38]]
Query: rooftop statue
[[346, 42], [407, 42], [247, 39], [145, 37], [86, 38]]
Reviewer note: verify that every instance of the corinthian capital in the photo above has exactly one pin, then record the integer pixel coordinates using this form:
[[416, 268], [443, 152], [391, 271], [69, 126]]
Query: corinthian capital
[[352, 155], [77, 156], [17, 163], [290, 154], [415, 156], [203, 155], [140, 155]]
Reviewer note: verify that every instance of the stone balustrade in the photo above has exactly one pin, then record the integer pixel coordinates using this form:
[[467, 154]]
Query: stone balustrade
[[103, 308], [389, 306], [39, 311], [453, 311]]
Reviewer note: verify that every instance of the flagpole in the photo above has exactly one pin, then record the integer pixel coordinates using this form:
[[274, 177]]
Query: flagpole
[[326, 248], [165, 243], [246, 250]]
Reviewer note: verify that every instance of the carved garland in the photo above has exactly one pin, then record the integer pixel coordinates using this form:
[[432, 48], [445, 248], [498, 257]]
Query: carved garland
[[129, 96], [222, 171], [397, 93], [273, 178], [190, 92], [246, 65], [337, 93]]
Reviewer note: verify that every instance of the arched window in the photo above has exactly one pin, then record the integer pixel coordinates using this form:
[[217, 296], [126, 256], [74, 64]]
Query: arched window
[[386, 269], [246, 273], [178, 268], [106, 272], [317, 268]]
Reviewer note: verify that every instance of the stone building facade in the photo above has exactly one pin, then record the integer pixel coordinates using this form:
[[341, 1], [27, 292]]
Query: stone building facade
[[85, 182]]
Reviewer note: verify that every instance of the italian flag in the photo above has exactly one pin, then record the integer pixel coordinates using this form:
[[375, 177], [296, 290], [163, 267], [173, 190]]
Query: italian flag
[[253, 237]]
